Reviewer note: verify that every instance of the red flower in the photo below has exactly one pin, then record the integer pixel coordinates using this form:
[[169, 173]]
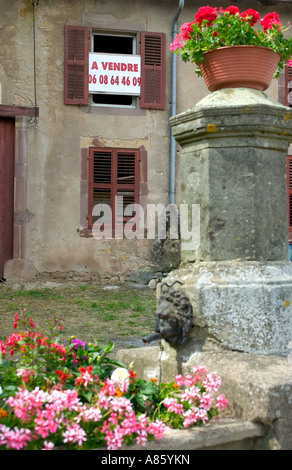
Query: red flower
[[132, 374], [269, 20], [86, 376], [62, 376], [232, 10], [251, 16], [208, 14]]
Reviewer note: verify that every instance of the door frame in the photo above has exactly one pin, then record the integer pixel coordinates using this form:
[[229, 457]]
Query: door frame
[[17, 267]]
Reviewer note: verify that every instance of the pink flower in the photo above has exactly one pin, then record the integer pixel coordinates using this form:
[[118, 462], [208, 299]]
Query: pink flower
[[188, 380], [121, 404], [2, 348], [74, 434], [202, 415], [173, 406], [269, 20], [141, 438], [114, 438], [177, 44], [208, 14], [45, 421], [190, 417], [206, 401], [90, 414], [48, 445], [14, 438], [199, 373], [109, 387], [143, 421], [179, 380], [191, 394], [211, 382], [221, 402], [113, 418], [194, 415], [185, 30], [130, 424], [157, 429]]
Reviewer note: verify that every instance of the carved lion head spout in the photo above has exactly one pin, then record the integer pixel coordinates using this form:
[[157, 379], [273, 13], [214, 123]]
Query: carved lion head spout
[[174, 316]]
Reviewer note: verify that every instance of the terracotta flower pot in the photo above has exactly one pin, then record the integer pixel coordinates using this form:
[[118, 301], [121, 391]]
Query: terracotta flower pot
[[239, 66]]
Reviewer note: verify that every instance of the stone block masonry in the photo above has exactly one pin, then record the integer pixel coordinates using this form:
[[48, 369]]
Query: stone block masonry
[[233, 163]]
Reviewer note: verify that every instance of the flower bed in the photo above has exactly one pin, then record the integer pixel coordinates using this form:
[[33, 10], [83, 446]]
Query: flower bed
[[75, 397]]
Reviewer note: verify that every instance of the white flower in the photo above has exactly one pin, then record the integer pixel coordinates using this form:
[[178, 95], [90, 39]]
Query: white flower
[[120, 374]]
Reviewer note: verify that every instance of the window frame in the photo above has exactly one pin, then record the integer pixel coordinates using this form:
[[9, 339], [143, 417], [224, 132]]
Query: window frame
[[135, 41], [113, 186], [156, 73]]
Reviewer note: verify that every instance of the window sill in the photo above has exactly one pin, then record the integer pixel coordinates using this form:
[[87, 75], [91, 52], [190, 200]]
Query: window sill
[[113, 111]]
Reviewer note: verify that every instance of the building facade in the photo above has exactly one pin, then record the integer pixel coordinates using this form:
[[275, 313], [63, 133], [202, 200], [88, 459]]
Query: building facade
[[87, 90]]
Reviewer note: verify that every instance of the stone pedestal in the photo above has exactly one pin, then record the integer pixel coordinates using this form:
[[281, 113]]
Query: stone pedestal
[[233, 164], [238, 279]]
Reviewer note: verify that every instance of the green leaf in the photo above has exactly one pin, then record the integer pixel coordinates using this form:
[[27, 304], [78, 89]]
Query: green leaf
[[110, 346]]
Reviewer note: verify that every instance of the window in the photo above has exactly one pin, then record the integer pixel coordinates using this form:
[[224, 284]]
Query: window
[[114, 183], [113, 44], [152, 50]]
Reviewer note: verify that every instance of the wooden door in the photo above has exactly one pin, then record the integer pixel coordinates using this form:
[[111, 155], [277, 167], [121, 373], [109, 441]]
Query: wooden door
[[7, 131]]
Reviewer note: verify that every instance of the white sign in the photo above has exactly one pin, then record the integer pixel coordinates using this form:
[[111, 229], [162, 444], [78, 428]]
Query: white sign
[[115, 74]]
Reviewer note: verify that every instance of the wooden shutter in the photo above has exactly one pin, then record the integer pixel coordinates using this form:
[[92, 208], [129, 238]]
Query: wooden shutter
[[76, 65], [289, 191], [113, 172], [152, 70]]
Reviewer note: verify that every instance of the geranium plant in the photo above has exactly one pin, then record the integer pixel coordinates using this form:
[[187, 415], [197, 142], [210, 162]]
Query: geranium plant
[[74, 397], [213, 28]]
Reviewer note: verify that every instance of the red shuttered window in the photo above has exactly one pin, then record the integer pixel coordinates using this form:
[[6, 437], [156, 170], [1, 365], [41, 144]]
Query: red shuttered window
[[76, 65], [152, 67], [114, 182], [152, 70]]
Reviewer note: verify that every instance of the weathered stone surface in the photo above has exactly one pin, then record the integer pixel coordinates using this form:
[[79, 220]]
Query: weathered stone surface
[[244, 305], [228, 434], [258, 388], [233, 164]]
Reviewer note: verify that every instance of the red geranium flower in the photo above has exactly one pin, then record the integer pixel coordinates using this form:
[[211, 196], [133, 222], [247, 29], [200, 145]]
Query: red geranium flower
[[232, 10], [62, 376], [206, 14], [269, 20], [251, 16]]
